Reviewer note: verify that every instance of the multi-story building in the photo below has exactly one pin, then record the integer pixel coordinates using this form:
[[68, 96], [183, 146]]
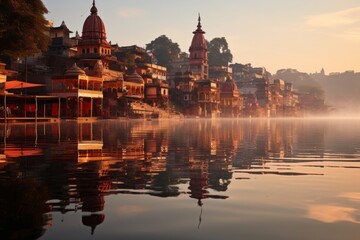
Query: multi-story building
[[220, 73], [254, 85], [193, 93], [183, 95], [3, 74], [82, 95], [277, 97], [137, 61], [61, 42], [208, 98], [230, 99], [291, 100]]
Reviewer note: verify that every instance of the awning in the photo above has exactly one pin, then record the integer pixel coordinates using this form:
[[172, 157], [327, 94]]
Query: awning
[[22, 152], [16, 84]]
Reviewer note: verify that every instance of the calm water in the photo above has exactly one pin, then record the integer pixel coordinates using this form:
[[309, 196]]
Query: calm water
[[181, 179]]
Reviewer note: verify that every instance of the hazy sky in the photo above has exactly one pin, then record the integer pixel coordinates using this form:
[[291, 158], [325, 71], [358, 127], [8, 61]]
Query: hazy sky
[[302, 34]]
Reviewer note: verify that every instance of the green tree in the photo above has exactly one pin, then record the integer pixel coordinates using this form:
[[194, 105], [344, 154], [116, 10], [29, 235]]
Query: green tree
[[219, 52], [23, 28], [164, 50]]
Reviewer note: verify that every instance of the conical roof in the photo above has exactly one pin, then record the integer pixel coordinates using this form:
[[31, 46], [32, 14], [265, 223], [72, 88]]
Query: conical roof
[[135, 78], [198, 42], [75, 70]]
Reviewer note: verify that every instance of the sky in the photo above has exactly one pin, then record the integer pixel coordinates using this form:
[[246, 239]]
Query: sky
[[306, 35]]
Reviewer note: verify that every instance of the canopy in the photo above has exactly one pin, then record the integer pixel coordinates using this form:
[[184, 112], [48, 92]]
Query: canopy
[[16, 84], [18, 152]]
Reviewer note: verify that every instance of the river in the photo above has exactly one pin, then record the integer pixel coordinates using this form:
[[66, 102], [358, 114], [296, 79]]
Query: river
[[296, 178]]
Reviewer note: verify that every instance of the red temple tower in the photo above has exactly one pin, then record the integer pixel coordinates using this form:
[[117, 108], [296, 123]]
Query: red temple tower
[[93, 40], [199, 54]]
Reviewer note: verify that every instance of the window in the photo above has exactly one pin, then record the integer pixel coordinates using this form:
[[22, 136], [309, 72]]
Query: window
[[88, 50], [95, 50], [202, 96]]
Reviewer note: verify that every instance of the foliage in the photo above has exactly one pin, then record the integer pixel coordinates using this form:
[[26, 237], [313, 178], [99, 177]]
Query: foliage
[[23, 28], [164, 50], [219, 52]]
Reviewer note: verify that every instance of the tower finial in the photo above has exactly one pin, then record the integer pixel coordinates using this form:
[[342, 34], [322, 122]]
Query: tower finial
[[93, 9], [199, 21]]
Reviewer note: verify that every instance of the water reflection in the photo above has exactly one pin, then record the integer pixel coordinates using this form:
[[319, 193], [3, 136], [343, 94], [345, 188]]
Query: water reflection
[[23, 209], [77, 165], [333, 213]]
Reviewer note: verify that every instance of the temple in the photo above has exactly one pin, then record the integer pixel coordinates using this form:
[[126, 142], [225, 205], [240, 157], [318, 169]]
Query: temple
[[199, 54], [87, 76]]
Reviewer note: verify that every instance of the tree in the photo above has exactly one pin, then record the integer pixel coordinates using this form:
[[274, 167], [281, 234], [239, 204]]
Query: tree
[[164, 50], [23, 28], [219, 52]]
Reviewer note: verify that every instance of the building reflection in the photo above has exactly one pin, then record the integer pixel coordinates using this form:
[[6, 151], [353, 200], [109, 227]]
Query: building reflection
[[80, 163], [23, 209]]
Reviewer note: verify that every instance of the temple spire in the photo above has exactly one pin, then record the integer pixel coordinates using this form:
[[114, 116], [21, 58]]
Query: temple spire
[[198, 53], [93, 8], [199, 21]]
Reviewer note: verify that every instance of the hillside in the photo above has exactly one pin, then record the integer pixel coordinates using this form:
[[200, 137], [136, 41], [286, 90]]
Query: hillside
[[341, 89], [303, 82]]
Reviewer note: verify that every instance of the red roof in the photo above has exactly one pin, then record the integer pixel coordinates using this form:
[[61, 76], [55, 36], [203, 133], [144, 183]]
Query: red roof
[[16, 84], [93, 29], [22, 152], [198, 48]]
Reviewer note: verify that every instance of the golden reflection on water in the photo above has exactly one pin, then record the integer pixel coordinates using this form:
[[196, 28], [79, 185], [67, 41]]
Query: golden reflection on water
[[351, 196], [332, 213]]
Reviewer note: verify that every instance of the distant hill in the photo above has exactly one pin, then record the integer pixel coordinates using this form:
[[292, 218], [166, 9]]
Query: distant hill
[[342, 90], [303, 82]]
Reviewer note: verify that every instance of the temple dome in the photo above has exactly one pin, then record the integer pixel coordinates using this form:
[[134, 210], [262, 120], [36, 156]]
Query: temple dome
[[93, 221], [94, 32], [135, 78], [74, 70]]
